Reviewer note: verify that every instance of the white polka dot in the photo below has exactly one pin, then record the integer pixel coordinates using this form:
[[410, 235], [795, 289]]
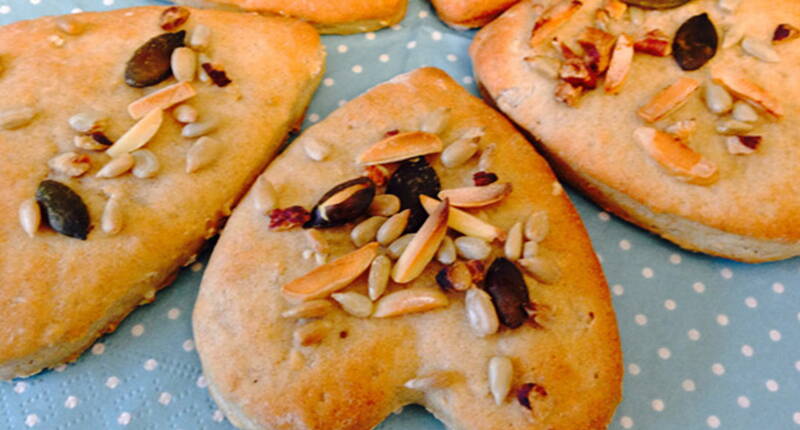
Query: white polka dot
[[625, 244], [657, 405], [640, 319], [313, 117], [664, 353], [772, 385], [196, 267], [688, 385], [108, 2], [165, 398], [397, 27], [342, 48], [341, 103], [722, 320], [201, 382], [31, 420], [626, 422], [5, 9], [98, 348], [467, 80], [370, 36], [797, 365], [634, 369], [726, 273], [743, 402], [436, 35], [423, 14], [647, 272], [20, 387], [747, 350], [174, 313], [112, 382], [71, 402], [618, 290], [675, 259], [451, 58], [328, 82], [718, 369], [693, 335], [218, 416], [357, 68], [76, 10], [796, 418], [412, 44], [35, 2], [604, 216], [775, 335], [124, 419], [150, 364], [713, 422], [699, 287], [137, 330], [751, 302], [670, 305], [778, 288], [384, 58], [188, 345]]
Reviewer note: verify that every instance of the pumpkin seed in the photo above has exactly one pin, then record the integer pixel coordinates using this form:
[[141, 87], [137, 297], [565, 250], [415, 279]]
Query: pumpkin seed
[[413, 178], [760, 49], [480, 313], [501, 371], [184, 114], [513, 246], [393, 228], [718, 100], [695, 42], [366, 230], [342, 203], [14, 118], [742, 111], [183, 63], [30, 216], [472, 248], [355, 304], [63, 209], [378, 279], [150, 64], [145, 164], [112, 220], [202, 153], [197, 129], [447, 251], [117, 166], [384, 205], [506, 285], [656, 4]]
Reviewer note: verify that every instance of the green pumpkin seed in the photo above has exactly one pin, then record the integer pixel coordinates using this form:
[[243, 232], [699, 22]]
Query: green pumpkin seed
[[151, 63], [63, 209], [695, 42]]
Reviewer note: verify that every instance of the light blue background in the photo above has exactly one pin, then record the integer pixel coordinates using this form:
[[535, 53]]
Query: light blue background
[[708, 343]]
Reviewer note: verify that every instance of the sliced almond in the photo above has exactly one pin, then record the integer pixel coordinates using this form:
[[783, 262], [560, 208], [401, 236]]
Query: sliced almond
[[138, 135], [475, 197], [331, 277], [465, 223], [423, 246], [551, 19], [161, 99], [411, 300], [746, 89], [355, 304], [678, 159], [620, 66], [401, 147], [669, 99]]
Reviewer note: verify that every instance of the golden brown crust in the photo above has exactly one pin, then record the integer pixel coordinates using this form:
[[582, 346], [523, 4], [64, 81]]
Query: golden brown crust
[[355, 377], [464, 14], [753, 202], [58, 294], [329, 17]]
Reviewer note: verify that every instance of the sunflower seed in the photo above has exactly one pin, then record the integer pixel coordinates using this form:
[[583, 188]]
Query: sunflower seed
[[355, 304], [202, 153], [733, 35], [117, 166], [737, 147], [18, 117], [30, 216], [480, 312], [718, 100], [384, 205], [68, 25], [447, 251], [312, 333], [760, 49], [742, 111], [729, 5], [315, 149], [393, 227], [410, 300], [396, 248], [731, 127], [70, 163], [197, 129], [513, 245], [537, 226], [435, 121], [146, 164], [265, 196], [366, 230], [87, 122], [530, 249], [201, 36], [112, 220], [202, 75], [472, 248], [430, 381], [378, 279], [542, 269], [500, 375], [184, 114], [309, 309], [458, 152], [184, 64], [487, 157]]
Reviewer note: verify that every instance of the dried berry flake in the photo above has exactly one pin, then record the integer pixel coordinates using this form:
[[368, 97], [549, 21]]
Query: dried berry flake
[[483, 178], [523, 393], [218, 76], [289, 218]]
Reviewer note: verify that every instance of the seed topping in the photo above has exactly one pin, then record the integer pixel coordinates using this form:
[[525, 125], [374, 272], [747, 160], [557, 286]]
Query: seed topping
[[173, 17], [401, 146], [288, 218], [63, 209], [410, 300], [331, 277], [423, 246], [695, 42], [150, 64], [343, 203]]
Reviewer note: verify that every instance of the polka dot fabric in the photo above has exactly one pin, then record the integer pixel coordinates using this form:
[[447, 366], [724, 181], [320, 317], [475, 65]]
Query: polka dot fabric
[[709, 344]]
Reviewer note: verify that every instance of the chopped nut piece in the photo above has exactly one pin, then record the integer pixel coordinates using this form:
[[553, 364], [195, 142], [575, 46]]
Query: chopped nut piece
[[472, 248], [202, 153], [682, 129], [14, 118], [677, 158], [312, 333], [333, 276], [410, 300], [113, 217], [537, 226], [760, 49], [434, 121], [161, 99], [88, 122], [481, 314], [513, 246], [287, 219], [378, 279], [396, 248], [620, 64], [173, 17], [474, 197], [201, 35], [744, 112], [576, 72], [654, 42], [525, 391], [423, 246], [732, 127], [265, 195], [447, 251], [430, 381], [482, 178], [668, 99], [316, 149], [393, 227], [70, 164], [366, 230], [551, 19], [568, 94], [384, 205], [455, 277], [401, 147], [742, 145], [465, 223], [746, 89], [68, 25], [217, 74], [355, 304], [30, 216], [184, 64], [785, 33], [597, 45], [138, 135], [542, 269], [184, 114], [717, 99], [458, 152], [117, 166], [501, 371]]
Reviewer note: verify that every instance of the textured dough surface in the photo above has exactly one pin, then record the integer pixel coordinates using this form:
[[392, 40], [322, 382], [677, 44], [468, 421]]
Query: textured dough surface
[[354, 378], [58, 294], [751, 213]]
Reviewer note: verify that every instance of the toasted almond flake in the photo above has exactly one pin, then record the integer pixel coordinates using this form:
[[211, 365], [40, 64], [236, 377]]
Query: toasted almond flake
[[312, 333], [472, 248], [393, 227], [396, 248], [378, 279], [732, 127], [199, 128], [68, 25], [430, 381], [458, 152], [146, 164], [161, 99], [410, 300], [18, 117], [682, 129], [717, 98], [542, 269], [464, 222], [184, 64], [537, 226], [138, 135], [669, 99], [434, 121], [202, 153], [423, 246], [401, 146], [316, 149], [513, 246], [331, 277], [760, 49], [355, 304], [70, 163], [201, 35], [746, 89], [117, 166], [266, 198], [736, 147], [184, 114], [675, 157], [733, 35], [447, 251], [551, 19], [309, 309], [744, 112], [481, 314], [318, 241], [366, 230], [501, 372], [530, 249], [474, 197], [384, 205], [30, 216], [620, 65], [87, 122], [113, 217]]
